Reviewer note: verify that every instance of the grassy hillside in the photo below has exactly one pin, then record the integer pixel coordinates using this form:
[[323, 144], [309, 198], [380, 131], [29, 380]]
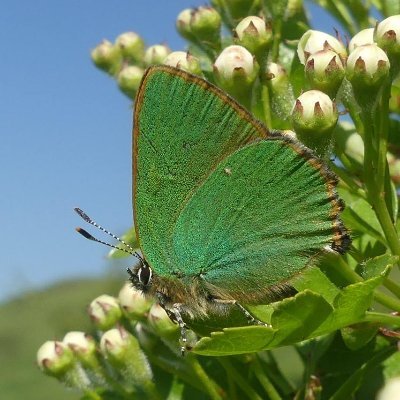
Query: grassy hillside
[[28, 321]]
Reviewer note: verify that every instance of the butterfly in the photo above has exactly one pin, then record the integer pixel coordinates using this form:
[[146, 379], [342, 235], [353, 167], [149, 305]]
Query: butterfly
[[226, 212]]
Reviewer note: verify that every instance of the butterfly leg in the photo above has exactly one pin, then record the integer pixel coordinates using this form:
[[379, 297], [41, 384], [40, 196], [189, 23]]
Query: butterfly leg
[[174, 314], [249, 317]]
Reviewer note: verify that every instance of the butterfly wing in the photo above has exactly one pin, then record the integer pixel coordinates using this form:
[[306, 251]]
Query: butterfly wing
[[258, 218], [183, 128]]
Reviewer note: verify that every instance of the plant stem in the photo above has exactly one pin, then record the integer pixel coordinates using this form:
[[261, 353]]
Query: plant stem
[[265, 382], [392, 286], [381, 318], [211, 387], [240, 381]]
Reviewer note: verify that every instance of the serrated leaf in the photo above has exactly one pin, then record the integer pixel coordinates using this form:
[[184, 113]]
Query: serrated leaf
[[377, 266], [359, 215], [235, 341], [314, 279], [357, 336]]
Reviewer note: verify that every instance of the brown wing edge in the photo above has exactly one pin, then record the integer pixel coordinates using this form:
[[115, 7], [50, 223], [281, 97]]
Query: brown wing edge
[[341, 239]]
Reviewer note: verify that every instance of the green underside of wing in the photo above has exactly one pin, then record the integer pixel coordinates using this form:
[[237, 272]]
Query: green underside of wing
[[257, 225], [186, 129]]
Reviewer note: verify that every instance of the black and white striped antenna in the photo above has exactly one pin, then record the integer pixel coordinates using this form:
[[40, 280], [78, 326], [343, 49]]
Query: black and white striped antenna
[[87, 235]]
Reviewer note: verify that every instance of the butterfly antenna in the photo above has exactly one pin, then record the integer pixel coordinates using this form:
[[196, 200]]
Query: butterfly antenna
[[87, 235]]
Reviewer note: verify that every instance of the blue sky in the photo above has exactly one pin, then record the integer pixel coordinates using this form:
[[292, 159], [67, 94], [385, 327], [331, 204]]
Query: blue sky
[[66, 132]]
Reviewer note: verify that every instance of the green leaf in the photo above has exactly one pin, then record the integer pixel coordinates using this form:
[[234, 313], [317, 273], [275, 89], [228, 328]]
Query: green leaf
[[314, 279], [357, 336], [377, 266], [359, 216]]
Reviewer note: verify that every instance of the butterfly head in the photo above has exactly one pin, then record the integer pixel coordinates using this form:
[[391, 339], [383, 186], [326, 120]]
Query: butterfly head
[[141, 276]]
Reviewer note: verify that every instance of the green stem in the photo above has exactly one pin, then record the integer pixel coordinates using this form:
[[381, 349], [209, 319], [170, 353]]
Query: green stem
[[240, 381], [392, 286], [211, 387], [381, 318], [265, 382], [277, 30], [387, 301]]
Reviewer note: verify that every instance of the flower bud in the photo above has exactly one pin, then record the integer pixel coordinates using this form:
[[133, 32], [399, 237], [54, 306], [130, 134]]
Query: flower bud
[[183, 24], [255, 35], [367, 66], [391, 390], [156, 54], [104, 311], [235, 71], [107, 57], [366, 36], [55, 358], [83, 346], [161, 323], [280, 89], [313, 41], [133, 302], [314, 116], [131, 46], [122, 350], [184, 61], [325, 71], [387, 35], [205, 25], [129, 80]]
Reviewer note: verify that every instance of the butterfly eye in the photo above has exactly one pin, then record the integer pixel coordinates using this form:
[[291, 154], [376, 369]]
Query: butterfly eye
[[144, 274]]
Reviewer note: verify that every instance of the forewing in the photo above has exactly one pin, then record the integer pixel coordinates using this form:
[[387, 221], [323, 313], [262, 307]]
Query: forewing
[[259, 218], [183, 128]]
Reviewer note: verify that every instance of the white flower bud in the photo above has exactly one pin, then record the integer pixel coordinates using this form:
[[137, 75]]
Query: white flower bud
[[387, 35], [184, 61], [156, 54], [366, 36], [367, 65], [133, 302], [131, 46], [313, 41], [54, 358], [104, 311], [129, 80], [391, 390]]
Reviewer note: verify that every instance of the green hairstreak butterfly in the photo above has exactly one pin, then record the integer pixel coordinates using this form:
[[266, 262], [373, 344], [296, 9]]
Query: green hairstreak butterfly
[[226, 212]]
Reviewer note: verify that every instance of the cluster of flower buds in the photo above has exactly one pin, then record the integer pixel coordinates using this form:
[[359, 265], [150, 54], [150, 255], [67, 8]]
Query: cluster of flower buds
[[127, 327]]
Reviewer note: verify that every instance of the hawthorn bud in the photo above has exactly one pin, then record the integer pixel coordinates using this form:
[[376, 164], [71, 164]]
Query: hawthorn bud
[[55, 358], [205, 25], [387, 35], [366, 36], [107, 57], [314, 41], [281, 91], [104, 311], [131, 46], [133, 302], [82, 344], [367, 67], [184, 61], [325, 71], [314, 117], [122, 350], [183, 24], [156, 54], [235, 71], [255, 35], [129, 80], [161, 323]]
